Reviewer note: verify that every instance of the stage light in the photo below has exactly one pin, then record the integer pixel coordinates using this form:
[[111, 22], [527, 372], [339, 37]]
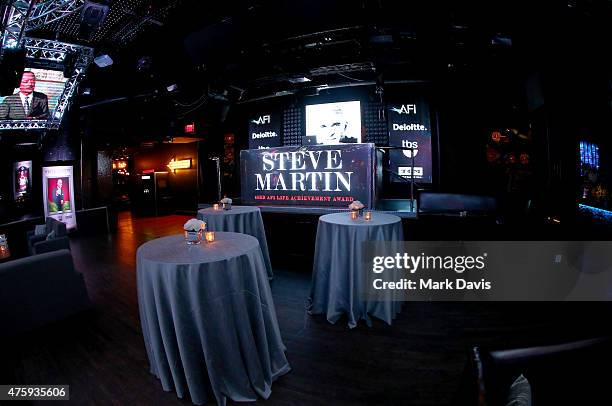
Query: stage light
[[299, 79], [11, 43], [144, 63], [172, 88], [103, 61], [93, 15], [500, 40]]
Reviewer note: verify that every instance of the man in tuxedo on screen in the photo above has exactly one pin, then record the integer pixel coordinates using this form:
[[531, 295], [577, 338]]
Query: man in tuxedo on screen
[[58, 195], [27, 104]]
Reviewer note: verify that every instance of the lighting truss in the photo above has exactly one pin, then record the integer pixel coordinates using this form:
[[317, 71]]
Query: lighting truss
[[56, 51], [16, 17], [51, 11], [345, 68], [64, 101], [53, 51], [23, 124], [24, 15]]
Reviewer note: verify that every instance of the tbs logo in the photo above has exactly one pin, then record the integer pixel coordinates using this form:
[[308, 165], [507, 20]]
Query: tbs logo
[[410, 144], [262, 120], [405, 109]]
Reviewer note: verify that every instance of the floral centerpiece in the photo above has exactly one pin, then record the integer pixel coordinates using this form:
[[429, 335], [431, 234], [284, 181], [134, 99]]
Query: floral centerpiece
[[226, 202], [356, 207], [193, 231]]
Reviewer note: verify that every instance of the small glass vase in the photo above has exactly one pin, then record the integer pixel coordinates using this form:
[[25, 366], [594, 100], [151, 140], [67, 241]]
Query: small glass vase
[[227, 206], [193, 237]]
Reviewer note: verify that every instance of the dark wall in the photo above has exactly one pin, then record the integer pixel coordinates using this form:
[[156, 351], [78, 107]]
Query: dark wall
[[463, 107], [182, 185], [9, 154]]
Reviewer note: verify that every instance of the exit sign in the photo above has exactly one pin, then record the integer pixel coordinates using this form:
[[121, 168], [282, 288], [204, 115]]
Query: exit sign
[[190, 128]]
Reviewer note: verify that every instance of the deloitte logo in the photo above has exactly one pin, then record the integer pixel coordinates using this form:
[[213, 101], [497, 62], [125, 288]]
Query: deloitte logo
[[409, 127], [267, 134]]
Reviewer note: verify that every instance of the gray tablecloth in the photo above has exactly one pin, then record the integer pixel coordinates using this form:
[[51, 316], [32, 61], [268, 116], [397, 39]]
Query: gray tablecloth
[[207, 315], [337, 275], [240, 219]]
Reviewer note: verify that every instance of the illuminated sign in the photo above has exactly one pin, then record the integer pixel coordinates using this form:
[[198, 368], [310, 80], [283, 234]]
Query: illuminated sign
[[180, 164], [190, 128], [119, 164], [317, 175], [410, 128], [264, 131]]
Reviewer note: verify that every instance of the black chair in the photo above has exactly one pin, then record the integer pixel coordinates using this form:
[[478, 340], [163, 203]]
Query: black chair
[[38, 290], [563, 374], [37, 244], [454, 204]]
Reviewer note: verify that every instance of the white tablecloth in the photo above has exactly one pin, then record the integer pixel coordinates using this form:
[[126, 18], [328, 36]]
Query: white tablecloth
[[207, 315], [240, 219], [337, 276]]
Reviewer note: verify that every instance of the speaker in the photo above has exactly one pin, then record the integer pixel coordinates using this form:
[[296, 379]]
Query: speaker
[[93, 15], [69, 61]]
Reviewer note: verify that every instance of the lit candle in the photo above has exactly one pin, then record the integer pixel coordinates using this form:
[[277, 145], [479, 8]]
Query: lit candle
[[354, 214], [368, 215], [210, 236], [216, 206]]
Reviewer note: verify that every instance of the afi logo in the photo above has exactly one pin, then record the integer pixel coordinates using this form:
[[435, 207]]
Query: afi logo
[[262, 120], [405, 109], [410, 144]]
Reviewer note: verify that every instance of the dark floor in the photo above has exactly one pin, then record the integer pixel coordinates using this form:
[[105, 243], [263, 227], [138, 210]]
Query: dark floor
[[417, 361]]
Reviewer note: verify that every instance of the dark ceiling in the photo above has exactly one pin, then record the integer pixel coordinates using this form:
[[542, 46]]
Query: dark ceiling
[[236, 51], [261, 44]]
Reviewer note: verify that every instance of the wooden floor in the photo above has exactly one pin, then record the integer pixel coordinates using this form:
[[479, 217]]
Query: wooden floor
[[417, 361]]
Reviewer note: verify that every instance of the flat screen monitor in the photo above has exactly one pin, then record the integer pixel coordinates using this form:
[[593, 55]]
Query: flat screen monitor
[[36, 97], [333, 123]]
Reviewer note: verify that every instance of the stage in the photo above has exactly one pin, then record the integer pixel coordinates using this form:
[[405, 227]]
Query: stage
[[398, 207]]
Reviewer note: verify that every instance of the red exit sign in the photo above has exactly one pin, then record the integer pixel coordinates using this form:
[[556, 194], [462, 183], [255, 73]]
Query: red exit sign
[[190, 128]]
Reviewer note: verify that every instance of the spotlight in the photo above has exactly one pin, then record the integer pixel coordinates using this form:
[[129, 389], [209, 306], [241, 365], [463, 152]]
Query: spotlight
[[103, 61], [172, 88], [299, 79], [144, 63]]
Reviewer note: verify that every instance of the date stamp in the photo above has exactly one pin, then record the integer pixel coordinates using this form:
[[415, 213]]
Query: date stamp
[[34, 392]]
